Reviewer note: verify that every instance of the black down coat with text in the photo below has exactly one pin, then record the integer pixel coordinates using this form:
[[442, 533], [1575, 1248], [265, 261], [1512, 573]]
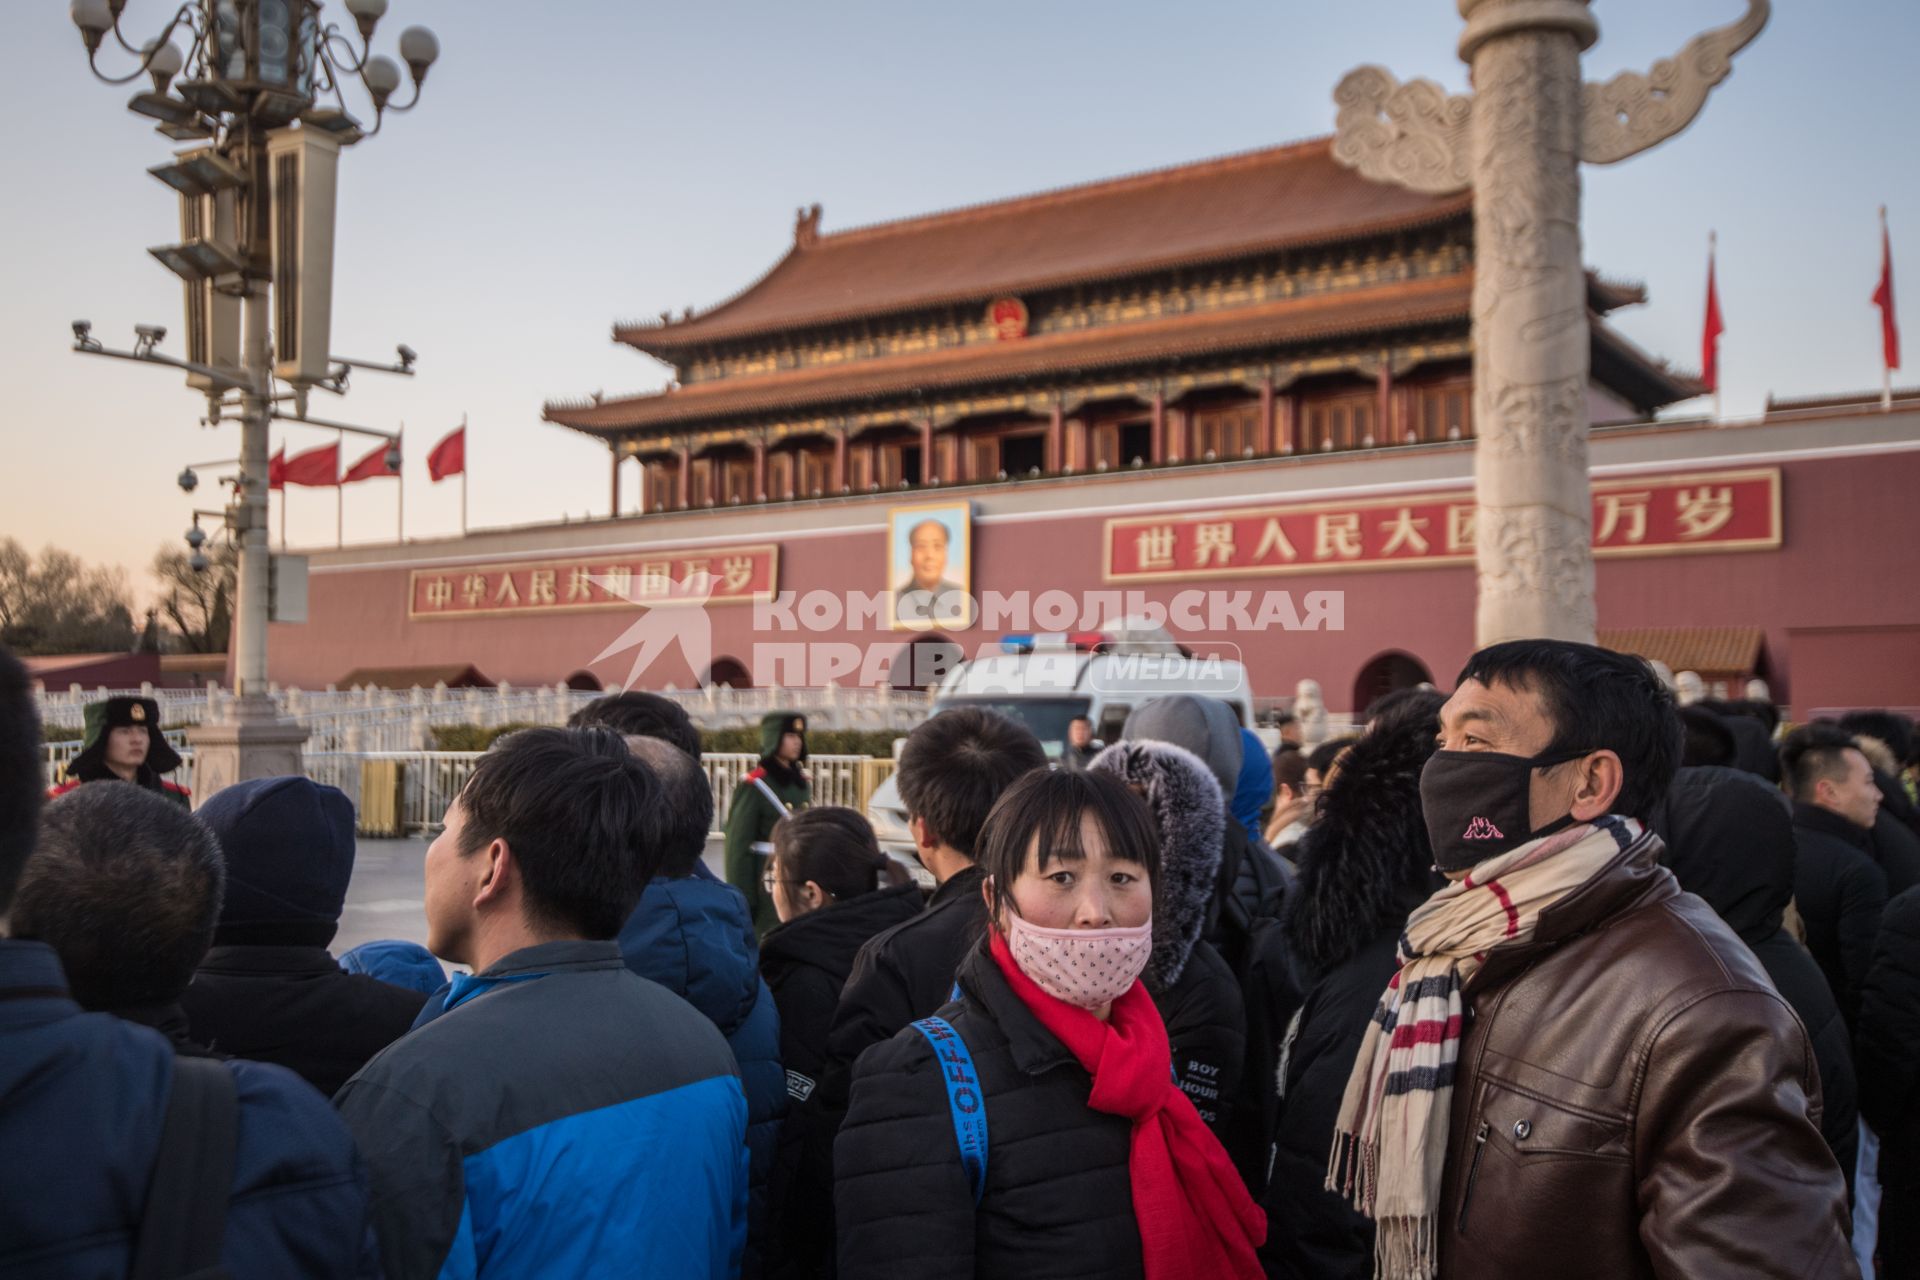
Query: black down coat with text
[[1364, 865], [1196, 992], [1729, 840]]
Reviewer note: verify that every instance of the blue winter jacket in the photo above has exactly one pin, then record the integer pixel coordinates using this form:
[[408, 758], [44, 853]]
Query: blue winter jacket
[[694, 936], [560, 1117], [82, 1100]]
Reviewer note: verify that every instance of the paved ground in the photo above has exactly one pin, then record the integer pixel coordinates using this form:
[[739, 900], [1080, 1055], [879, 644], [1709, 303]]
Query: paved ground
[[384, 899]]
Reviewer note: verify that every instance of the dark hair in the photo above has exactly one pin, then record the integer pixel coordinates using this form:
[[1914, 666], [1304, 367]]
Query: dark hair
[[126, 887], [580, 813], [956, 764], [1394, 712], [1321, 758], [1391, 702], [1751, 708], [21, 786], [1707, 739], [639, 714], [1814, 751], [1289, 769], [1285, 718], [1890, 727], [1595, 699], [831, 846], [1051, 804], [677, 826]]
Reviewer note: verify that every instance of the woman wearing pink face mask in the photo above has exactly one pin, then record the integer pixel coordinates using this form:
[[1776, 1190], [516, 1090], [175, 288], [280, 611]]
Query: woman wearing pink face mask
[[1091, 1161]]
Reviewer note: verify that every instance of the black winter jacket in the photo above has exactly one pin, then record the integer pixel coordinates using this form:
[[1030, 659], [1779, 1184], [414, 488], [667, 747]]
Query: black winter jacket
[[294, 1006], [1192, 985], [1729, 840], [1364, 865], [1840, 892], [1888, 1040], [1058, 1200], [1895, 846], [805, 962], [907, 972]]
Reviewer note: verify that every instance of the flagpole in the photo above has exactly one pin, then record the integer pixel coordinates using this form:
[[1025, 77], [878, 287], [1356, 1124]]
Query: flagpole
[[339, 492], [1713, 250], [400, 478], [463, 475], [1886, 370], [283, 518]]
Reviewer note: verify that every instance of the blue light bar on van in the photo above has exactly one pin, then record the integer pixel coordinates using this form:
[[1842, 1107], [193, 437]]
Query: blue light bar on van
[[1020, 643], [1028, 641]]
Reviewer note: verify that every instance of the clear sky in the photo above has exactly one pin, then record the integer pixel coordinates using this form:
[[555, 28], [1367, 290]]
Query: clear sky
[[579, 161]]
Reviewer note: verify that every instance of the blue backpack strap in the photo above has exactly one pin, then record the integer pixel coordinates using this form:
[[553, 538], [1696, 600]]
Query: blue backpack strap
[[964, 1098]]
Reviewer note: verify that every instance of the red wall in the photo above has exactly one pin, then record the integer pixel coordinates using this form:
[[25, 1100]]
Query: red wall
[[1845, 563]]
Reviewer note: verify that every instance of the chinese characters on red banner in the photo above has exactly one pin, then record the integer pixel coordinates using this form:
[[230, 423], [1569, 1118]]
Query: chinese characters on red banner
[[1652, 515], [707, 575]]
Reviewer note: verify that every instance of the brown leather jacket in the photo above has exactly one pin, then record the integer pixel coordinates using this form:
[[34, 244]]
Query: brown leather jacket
[[1634, 1099]]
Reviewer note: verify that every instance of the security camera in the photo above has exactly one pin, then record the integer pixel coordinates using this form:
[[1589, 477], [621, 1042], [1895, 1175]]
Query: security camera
[[393, 457], [81, 328], [407, 355], [196, 537], [188, 480], [154, 333], [198, 562]]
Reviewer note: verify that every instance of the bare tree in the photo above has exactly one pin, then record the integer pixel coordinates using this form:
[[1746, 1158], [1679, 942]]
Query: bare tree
[[59, 604], [198, 605]]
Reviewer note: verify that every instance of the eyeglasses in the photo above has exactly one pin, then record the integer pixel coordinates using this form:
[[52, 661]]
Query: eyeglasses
[[768, 880]]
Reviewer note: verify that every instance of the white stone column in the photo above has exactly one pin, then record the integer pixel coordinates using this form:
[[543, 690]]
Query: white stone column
[[1531, 338]]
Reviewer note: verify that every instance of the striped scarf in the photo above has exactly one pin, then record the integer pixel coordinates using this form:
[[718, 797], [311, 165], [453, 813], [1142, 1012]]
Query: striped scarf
[[1390, 1143]]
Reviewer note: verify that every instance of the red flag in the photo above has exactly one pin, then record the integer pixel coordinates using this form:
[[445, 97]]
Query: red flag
[[316, 468], [449, 457], [1883, 299], [277, 469], [1710, 339], [371, 467]]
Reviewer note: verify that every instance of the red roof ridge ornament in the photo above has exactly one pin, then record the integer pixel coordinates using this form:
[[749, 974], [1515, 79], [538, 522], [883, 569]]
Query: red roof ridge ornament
[[1007, 317], [806, 226]]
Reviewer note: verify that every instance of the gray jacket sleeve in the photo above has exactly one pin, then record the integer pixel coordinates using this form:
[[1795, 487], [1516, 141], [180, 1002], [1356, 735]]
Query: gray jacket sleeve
[[419, 1183]]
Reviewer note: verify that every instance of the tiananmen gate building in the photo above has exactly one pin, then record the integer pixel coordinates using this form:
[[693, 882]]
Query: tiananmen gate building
[[1202, 389]]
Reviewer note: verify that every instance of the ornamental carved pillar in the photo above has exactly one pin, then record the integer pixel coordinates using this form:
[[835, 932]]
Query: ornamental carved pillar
[[1518, 141]]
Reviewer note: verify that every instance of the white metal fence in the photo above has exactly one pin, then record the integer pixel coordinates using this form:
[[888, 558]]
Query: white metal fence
[[429, 780]]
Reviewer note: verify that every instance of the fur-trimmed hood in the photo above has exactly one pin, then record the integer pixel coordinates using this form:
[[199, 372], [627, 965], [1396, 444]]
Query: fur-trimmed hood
[[1190, 814], [1366, 861]]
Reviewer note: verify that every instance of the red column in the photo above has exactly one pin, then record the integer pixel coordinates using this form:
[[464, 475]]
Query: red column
[[1056, 439], [614, 510], [1383, 414], [840, 461], [1177, 435], [1157, 436], [1263, 434], [759, 471], [1077, 450], [683, 481], [926, 451], [1288, 425]]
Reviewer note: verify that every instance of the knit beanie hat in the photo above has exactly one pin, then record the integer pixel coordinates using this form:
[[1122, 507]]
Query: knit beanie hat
[[289, 848], [1203, 726]]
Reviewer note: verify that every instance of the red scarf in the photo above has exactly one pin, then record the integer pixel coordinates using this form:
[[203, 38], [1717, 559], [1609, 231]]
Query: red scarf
[[1196, 1220]]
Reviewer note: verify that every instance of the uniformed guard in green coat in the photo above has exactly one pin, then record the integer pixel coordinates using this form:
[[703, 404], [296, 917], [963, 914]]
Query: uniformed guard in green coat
[[124, 744], [773, 788]]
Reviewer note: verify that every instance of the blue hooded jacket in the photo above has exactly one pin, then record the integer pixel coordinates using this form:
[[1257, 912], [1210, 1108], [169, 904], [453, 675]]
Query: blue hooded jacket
[[694, 936], [1255, 785]]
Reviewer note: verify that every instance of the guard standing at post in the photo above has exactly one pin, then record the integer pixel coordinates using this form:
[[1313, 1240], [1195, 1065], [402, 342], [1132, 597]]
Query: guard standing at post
[[124, 744], [774, 787]]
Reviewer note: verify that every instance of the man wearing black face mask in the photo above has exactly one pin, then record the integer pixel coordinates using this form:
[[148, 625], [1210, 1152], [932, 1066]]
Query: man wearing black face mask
[[1578, 1067]]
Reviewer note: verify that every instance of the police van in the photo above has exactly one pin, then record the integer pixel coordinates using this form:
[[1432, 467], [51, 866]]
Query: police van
[[1045, 681]]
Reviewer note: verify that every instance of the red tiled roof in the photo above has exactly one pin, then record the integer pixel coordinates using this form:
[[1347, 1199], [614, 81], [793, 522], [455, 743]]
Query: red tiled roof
[[1702, 650], [1279, 197], [1439, 299]]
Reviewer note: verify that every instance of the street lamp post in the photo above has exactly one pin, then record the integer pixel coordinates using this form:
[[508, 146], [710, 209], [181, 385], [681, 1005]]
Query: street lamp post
[[260, 94], [1518, 141]]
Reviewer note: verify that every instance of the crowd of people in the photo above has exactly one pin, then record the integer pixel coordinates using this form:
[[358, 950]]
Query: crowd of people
[[1545, 976]]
